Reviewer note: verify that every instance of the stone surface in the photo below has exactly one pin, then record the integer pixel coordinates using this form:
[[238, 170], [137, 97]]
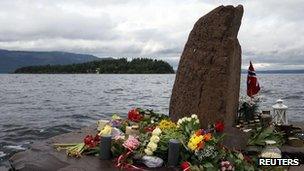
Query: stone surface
[[235, 138], [208, 77], [43, 157]]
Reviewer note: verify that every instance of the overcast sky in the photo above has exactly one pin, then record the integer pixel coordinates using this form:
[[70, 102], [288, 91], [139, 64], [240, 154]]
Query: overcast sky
[[271, 34]]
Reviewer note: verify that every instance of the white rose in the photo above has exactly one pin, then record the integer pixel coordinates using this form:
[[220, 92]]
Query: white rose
[[154, 139], [188, 119], [148, 152], [156, 131], [194, 116], [152, 146], [179, 122]]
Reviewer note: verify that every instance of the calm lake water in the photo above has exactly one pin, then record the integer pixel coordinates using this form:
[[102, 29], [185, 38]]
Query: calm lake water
[[34, 107]]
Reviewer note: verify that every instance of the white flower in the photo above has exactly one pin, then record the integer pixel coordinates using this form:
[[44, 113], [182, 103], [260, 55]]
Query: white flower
[[194, 116], [240, 156], [156, 131], [189, 119], [152, 121], [152, 146], [179, 122], [197, 121], [148, 152], [154, 139]]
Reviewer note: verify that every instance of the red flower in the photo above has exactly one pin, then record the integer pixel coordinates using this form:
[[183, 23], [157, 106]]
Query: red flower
[[185, 166], [219, 126], [97, 138], [134, 115], [91, 141], [149, 128]]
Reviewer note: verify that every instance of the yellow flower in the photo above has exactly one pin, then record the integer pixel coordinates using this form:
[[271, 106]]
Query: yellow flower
[[152, 146], [194, 141], [148, 152], [154, 139], [156, 131], [166, 124]]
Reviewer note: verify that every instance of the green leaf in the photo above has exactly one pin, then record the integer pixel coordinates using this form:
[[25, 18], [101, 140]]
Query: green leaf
[[208, 165]]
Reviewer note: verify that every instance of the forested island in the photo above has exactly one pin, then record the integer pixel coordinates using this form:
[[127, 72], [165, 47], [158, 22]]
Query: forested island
[[105, 66]]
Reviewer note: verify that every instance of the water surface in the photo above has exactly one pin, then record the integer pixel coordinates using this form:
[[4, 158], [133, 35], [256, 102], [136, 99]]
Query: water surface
[[34, 107]]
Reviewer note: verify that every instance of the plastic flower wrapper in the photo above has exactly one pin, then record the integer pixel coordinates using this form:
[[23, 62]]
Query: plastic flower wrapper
[[107, 130], [116, 121], [101, 124], [247, 108]]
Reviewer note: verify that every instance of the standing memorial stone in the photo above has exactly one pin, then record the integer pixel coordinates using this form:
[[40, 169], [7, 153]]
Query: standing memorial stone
[[207, 82]]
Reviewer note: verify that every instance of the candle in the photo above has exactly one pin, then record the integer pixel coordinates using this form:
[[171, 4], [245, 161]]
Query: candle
[[105, 147], [173, 152]]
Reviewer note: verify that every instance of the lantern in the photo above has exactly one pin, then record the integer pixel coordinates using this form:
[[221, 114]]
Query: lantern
[[279, 113]]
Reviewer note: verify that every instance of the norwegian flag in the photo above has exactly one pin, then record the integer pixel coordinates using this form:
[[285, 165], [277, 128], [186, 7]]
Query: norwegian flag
[[253, 86]]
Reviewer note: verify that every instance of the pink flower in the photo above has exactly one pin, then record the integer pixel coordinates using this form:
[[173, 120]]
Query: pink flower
[[226, 165], [131, 143]]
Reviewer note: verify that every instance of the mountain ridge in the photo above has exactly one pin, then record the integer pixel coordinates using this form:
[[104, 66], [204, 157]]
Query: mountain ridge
[[10, 60]]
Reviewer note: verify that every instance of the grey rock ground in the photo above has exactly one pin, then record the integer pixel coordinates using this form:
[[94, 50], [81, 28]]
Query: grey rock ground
[[43, 157]]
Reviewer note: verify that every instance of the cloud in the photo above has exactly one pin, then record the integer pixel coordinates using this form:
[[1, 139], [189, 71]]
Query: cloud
[[271, 34]]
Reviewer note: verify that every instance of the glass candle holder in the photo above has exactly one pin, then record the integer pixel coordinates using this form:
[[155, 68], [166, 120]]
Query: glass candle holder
[[173, 152], [270, 150], [105, 147]]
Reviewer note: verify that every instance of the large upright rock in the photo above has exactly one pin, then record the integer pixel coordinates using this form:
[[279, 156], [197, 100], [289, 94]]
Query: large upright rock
[[208, 77]]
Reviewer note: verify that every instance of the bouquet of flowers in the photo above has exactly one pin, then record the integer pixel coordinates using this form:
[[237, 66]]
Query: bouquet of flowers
[[143, 137], [247, 108]]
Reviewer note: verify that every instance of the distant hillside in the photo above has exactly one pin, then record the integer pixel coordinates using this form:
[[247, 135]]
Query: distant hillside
[[300, 71], [11, 60], [116, 66]]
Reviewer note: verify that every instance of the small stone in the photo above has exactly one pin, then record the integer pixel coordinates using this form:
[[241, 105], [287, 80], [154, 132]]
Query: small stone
[[152, 161]]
